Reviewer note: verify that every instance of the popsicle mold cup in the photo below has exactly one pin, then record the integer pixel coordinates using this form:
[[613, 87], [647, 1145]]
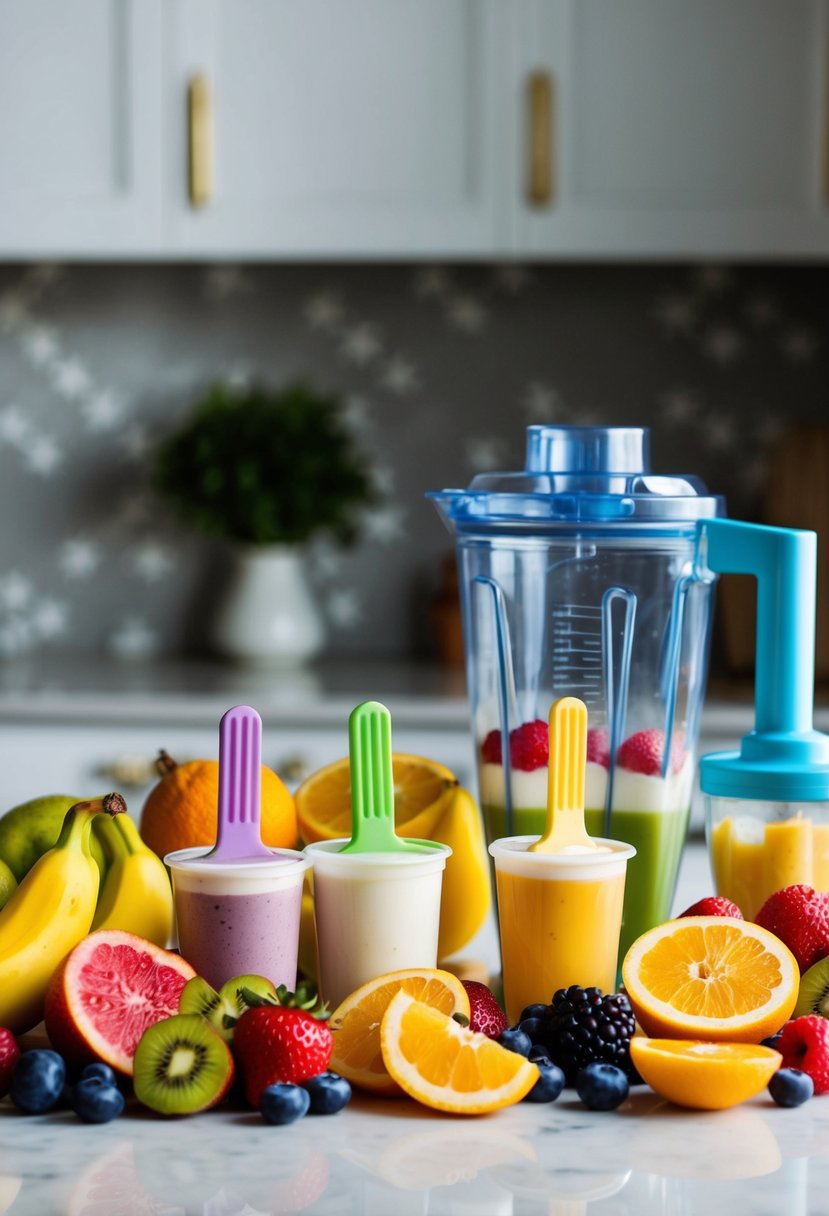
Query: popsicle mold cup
[[560, 895], [560, 915], [238, 904], [376, 895]]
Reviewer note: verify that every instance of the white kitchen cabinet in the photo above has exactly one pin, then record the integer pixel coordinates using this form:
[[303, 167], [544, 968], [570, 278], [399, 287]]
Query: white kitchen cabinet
[[361, 128], [677, 128], [80, 128]]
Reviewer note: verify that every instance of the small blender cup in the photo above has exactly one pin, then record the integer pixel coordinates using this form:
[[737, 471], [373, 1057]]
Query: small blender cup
[[578, 579], [767, 805]]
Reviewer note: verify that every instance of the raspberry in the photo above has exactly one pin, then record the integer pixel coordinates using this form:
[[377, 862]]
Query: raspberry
[[713, 905], [584, 1026], [485, 1014], [799, 916], [9, 1055], [491, 748], [598, 749], [529, 746], [642, 752], [804, 1044]]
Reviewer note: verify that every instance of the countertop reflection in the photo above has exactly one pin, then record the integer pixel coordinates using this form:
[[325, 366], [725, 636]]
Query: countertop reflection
[[392, 1158]]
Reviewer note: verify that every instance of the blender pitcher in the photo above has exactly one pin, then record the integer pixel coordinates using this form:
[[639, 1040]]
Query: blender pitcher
[[578, 578]]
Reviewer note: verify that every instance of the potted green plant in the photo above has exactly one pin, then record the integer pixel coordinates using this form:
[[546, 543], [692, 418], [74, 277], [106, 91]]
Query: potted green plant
[[266, 470]]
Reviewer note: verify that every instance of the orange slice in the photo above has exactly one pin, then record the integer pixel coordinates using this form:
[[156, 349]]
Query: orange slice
[[711, 977], [705, 1076], [356, 1022], [323, 801], [445, 1066]]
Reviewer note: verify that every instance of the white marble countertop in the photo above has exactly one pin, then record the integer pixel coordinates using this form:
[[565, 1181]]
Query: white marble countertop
[[394, 1158]]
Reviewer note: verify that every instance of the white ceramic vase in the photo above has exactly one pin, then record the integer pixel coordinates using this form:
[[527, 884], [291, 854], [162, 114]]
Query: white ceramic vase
[[268, 614]]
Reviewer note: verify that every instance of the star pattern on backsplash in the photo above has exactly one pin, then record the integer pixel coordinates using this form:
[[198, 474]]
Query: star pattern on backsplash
[[438, 369]]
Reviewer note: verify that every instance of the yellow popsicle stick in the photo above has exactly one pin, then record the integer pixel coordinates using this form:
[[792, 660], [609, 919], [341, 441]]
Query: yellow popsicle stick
[[565, 779]]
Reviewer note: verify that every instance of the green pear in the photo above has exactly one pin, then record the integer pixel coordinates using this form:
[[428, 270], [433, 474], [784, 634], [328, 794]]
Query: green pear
[[8, 882], [31, 829]]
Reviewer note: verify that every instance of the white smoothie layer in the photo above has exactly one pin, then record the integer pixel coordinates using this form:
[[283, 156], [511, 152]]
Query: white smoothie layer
[[640, 792], [631, 791], [374, 913]]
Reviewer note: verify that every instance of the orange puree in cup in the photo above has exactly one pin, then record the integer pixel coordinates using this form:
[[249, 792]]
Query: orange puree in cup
[[748, 868], [559, 920]]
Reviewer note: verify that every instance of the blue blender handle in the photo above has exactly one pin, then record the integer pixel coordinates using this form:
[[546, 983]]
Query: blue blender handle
[[783, 758], [784, 562]]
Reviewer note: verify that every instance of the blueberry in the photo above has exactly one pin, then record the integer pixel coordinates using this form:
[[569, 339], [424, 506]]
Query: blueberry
[[791, 1087], [329, 1092], [539, 1054], [102, 1071], [284, 1103], [548, 1086], [37, 1084], [532, 1011], [772, 1041], [534, 1028], [514, 1039], [602, 1086], [95, 1101]]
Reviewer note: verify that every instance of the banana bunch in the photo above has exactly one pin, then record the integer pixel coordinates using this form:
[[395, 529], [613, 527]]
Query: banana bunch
[[46, 916], [136, 893]]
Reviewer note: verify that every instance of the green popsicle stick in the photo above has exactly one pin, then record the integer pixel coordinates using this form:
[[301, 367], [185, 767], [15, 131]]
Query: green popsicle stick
[[372, 783]]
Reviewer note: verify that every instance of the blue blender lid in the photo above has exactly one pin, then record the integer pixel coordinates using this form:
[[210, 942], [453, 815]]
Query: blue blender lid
[[576, 475], [783, 759]]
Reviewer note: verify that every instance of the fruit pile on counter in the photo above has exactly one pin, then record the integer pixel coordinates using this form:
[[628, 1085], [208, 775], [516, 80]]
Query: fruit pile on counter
[[713, 1008]]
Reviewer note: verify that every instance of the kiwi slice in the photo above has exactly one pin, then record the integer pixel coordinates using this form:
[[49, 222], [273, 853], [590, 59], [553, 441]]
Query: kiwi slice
[[232, 992], [198, 997], [182, 1066], [813, 996]]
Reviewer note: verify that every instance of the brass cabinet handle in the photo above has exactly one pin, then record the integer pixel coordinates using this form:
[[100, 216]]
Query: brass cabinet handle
[[200, 135], [540, 186]]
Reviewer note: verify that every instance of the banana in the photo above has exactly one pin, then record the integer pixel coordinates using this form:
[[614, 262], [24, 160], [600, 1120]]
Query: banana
[[48, 914], [136, 894]]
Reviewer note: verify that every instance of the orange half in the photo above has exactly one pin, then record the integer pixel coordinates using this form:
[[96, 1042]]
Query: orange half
[[714, 978], [443, 1065], [355, 1023], [704, 1076], [323, 801]]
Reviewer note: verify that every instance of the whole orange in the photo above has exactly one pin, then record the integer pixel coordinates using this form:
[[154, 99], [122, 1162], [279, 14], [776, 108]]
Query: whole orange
[[181, 811]]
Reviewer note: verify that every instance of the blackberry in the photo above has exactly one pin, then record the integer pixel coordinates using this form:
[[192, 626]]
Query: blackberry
[[583, 1027]]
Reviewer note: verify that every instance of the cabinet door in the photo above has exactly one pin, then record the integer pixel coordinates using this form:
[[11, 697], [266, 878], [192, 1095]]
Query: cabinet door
[[79, 127], [678, 127], [357, 127]]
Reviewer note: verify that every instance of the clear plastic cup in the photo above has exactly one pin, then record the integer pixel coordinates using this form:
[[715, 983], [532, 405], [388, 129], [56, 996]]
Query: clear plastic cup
[[758, 846], [374, 913], [560, 917], [239, 918]]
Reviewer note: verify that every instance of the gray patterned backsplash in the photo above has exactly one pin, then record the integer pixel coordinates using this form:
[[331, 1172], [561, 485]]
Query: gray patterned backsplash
[[439, 370]]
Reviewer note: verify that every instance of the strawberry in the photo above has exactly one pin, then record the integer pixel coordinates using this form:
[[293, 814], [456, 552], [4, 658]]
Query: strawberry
[[598, 749], [9, 1055], [485, 1014], [529, 745], [713, 905], [642, 752], [799, 916], [279, 1043], [804, 1044]]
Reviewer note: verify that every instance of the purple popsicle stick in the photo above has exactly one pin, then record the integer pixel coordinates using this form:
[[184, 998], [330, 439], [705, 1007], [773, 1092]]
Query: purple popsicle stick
[[240, 773]]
